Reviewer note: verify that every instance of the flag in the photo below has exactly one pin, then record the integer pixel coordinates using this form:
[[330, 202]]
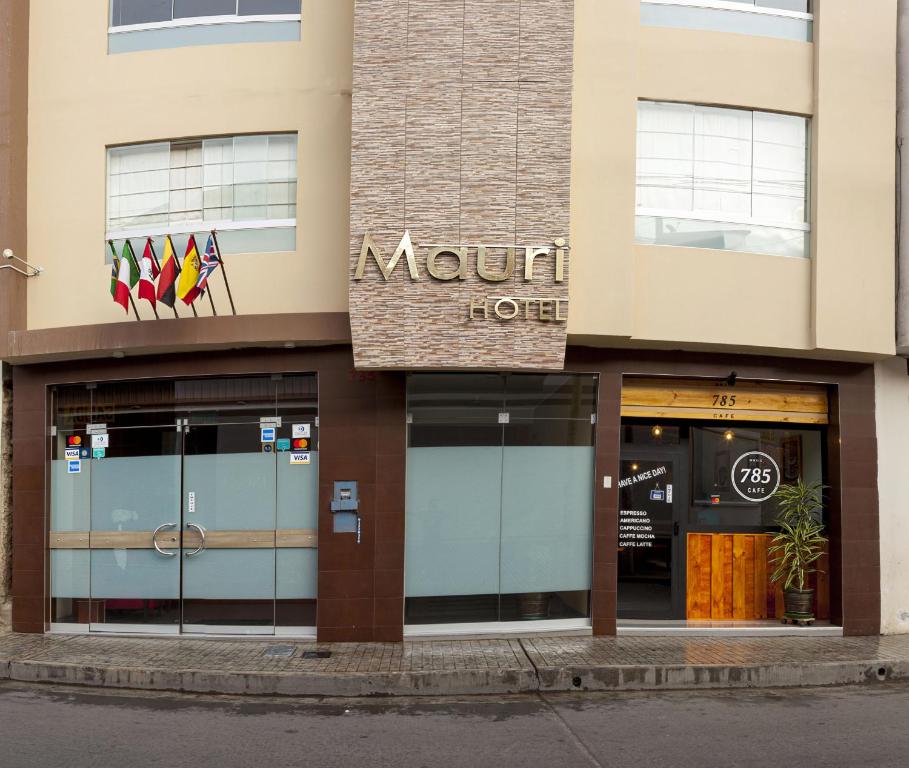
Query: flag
[[127, 276], [114, 271], [210, 263], [148, 273], [170, 269], [189, 275]]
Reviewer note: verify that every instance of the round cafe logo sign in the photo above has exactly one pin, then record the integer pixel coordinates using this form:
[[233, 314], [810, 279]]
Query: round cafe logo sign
[[755, 476]]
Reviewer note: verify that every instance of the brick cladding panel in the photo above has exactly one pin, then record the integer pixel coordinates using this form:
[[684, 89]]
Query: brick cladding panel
[[461, 134]]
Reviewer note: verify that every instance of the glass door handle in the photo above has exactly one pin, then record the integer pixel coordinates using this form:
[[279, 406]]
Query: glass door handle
[[201, 547], [155, 539], [675, 529]]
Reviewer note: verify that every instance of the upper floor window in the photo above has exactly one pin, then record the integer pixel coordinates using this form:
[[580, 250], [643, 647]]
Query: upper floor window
[[244, 186], [146, 24], [714, 177], [787, 19]]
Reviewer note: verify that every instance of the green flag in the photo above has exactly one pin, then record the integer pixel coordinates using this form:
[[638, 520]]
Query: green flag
[[114, 269], [133, 264]]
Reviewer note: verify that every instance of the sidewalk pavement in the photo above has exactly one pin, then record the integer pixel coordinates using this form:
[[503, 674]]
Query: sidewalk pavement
[[451, 667]]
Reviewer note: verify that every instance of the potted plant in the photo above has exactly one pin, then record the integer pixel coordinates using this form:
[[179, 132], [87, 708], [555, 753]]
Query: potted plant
[[798, 546]]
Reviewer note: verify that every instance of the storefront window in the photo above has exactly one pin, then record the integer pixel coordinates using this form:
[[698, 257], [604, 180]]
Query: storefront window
[[186, 505], [733, 467], [499, 498]]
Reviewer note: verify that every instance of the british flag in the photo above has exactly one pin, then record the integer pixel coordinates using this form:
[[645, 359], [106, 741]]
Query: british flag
[[210, 263]]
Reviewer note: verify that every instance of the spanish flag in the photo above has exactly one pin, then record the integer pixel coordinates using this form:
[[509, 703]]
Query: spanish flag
[[187, 291], [170, 270]]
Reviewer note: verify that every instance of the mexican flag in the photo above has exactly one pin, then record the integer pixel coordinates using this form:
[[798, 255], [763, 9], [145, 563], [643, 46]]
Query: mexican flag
[[127, 276]]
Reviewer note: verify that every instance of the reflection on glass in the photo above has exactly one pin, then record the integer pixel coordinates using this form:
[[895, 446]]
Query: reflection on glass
[[797, 453], [646, 502]]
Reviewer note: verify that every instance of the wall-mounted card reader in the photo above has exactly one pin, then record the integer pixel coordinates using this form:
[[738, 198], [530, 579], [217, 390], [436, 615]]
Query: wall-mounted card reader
[[345, 505]]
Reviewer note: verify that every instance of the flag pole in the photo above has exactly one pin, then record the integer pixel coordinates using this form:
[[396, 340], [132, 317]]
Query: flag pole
[[158, 267], [214, 236], [212, 302], [129, 292]]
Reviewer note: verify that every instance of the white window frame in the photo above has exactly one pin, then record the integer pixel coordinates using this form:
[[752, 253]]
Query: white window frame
[[194, 226], [727, 5], [203, 21]]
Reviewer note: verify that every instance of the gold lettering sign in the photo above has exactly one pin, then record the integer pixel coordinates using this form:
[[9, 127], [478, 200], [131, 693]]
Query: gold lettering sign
[[506, 308]]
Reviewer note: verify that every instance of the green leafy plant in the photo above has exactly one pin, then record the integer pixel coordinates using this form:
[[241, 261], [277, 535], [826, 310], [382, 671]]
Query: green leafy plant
[[800, 542]]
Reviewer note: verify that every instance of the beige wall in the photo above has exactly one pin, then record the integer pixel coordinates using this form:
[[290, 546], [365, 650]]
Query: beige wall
[[838, 303], [82, 100]]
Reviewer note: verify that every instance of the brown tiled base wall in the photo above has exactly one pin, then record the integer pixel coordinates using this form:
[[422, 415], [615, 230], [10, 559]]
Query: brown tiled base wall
[[363, 438]]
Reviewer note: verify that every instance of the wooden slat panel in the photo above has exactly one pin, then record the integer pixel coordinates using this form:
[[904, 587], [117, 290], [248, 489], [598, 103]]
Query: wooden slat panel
[[713, 401], [236, 540], [760, 576], [681, 393], [749, 577], [711, 414], [697, 602], [727, 576], [740, 565], [298, 537], [68, 540], [132, 540], [170, 539], [718, 584]]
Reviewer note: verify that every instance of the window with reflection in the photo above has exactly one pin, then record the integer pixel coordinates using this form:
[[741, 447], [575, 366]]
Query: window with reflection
[[715, 177], [733, 466], [784, 19]]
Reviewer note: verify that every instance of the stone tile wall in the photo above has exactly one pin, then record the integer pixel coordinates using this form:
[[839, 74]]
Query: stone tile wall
[[461, 135]]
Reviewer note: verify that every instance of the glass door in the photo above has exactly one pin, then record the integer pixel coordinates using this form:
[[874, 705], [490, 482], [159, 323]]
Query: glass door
[[134, 479], [652, 497], [229, 523]]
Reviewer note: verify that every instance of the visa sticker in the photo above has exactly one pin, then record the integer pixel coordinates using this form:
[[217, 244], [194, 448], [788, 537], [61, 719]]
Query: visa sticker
[[299, 457], [72, 453]]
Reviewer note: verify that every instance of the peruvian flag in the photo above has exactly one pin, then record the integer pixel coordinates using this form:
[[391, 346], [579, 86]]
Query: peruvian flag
[[148, 273]]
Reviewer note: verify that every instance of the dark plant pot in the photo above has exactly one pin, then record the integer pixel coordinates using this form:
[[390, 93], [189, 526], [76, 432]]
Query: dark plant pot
[[799, 603], [534, 605]]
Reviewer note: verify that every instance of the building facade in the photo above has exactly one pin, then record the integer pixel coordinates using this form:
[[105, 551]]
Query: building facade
[[521, 311]]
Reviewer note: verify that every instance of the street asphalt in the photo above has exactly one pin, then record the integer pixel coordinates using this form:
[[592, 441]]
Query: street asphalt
[[74, 727]]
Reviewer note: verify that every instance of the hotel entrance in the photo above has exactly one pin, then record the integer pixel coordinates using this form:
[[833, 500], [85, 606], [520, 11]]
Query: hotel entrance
[[696, 497], [185, 506]]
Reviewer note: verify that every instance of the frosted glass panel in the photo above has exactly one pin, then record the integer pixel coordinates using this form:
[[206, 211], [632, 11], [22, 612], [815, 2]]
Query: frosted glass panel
[[230, 574], [298, 493], [134, 574], [234, 491], [547, 518], [136, 493], [69, 572], [297, 573], [453, 500], [70, 497]]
